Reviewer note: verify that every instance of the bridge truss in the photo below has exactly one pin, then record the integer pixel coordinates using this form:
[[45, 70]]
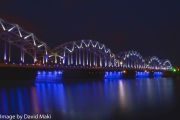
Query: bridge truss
[[13, 34], [82, 53], [166, 64], [130, 59], [86, 53], [133, 60], [152, 62]]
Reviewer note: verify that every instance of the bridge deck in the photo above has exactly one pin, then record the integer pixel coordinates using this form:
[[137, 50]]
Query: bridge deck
[[56, 67]]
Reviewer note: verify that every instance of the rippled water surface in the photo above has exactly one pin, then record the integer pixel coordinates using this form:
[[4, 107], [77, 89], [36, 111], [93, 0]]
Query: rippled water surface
[[96, 100]]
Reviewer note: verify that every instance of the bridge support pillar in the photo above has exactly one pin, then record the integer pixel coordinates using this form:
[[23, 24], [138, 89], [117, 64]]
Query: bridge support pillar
[[47, 57], [100, 61], [22, 54], [83, 59], [79, 57], [76, 58], [34, 56], [94, 60], [71, 58], [87, 57], [105, 62], [5, 44], [55, 58], [43, 59], [9, 52], [90, 59], [68, 59], [60, 60]]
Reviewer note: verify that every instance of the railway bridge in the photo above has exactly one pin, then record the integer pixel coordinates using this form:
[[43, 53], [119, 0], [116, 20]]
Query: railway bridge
[[78, 55]]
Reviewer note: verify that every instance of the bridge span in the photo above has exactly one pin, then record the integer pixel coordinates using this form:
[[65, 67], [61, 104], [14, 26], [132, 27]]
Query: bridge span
[[85, 53], [57, 67], [76, 55]]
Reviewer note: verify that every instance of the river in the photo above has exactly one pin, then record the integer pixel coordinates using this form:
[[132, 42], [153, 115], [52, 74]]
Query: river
[[108, 99]]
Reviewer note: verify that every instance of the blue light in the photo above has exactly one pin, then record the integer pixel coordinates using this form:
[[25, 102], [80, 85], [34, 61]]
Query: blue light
[[142, 74], [39, 72], [158, 74], [13, 63], [44, 72], [50, 76], [59, 72], [55, 72], [113, 75]]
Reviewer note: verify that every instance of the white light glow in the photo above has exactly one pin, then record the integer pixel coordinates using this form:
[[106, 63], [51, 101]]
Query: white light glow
[[11, 28]]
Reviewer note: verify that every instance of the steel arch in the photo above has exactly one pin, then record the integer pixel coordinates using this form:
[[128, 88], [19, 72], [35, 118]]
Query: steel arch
[[153, 63], [74, 49], [130, 59], [26, 41], [166, 64]]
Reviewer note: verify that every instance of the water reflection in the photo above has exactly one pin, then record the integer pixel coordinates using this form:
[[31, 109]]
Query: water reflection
[[98, 100]]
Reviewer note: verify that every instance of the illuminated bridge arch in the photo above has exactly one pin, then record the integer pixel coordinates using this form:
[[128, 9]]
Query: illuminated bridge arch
[[166, 64], [130, 59], [153, 63], [13, 34], [86, 53]]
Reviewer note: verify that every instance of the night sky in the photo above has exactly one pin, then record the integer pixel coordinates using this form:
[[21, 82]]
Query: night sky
[[151, 27]]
